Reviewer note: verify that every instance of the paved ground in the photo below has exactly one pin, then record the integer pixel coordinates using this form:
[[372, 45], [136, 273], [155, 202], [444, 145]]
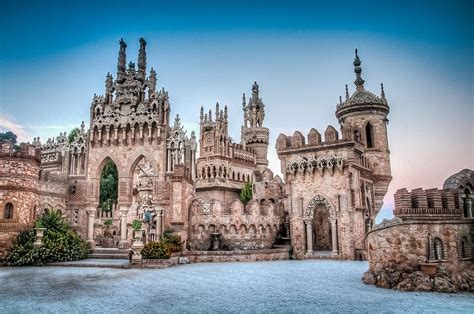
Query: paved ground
[[96, 262], [284, 286]]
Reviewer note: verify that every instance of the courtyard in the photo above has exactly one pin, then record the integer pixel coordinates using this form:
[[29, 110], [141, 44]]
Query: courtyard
[[282, 286]]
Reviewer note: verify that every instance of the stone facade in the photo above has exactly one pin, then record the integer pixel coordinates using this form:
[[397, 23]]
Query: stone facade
[[332, 191], [24, 191], [432, 228], [336, 184]]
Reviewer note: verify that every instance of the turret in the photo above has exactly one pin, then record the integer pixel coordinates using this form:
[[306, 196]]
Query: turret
[[364, 115], [254, 135]]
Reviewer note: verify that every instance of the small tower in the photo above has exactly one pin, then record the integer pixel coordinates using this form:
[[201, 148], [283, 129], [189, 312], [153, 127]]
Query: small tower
[[364, 115], [253, 134]]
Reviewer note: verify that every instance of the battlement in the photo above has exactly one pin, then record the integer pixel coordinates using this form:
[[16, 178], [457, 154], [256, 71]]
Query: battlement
[[314, 139], [25, 151], [430, 203]]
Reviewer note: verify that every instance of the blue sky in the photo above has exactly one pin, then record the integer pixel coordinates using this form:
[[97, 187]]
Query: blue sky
[[54, 56]]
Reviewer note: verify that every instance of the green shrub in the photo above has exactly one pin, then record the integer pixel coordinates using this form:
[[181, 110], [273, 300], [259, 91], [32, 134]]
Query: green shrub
[[173, 240], [53, 220], [136, 225], [246, 193], [156, 250], [108, 222], [58, 246]]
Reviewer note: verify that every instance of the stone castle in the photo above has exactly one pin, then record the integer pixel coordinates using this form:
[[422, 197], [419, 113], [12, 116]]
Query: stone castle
[[333, 185]]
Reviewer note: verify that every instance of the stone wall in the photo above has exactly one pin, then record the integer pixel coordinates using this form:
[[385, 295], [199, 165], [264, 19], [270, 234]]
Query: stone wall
[[397, 249], [253, 226]]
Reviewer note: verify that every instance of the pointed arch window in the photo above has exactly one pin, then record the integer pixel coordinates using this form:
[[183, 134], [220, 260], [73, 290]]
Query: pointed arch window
[[369, 135]]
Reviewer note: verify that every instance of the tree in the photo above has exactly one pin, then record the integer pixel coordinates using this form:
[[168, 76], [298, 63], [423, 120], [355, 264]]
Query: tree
[[246, 193], [9, 135], [72, 134], [108, 186]]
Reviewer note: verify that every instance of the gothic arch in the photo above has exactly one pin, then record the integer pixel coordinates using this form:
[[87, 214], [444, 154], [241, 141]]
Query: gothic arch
[[137, 158], [318, 200], [100, 167]]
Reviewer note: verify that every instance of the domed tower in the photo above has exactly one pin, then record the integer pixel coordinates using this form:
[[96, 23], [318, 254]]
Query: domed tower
[[254, 135], [363, 118]]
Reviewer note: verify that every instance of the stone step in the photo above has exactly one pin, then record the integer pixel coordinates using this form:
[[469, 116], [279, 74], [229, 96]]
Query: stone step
[[109, 256], [102, 250]]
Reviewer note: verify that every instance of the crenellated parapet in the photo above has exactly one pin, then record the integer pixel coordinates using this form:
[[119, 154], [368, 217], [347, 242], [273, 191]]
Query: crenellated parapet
[[427, 204], [314, 140]]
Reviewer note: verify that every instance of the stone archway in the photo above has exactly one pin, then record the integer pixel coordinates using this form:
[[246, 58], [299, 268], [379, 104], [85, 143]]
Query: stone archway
[[321, 226]]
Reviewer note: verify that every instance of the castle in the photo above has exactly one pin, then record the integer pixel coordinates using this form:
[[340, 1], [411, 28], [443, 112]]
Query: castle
[[333, 185]]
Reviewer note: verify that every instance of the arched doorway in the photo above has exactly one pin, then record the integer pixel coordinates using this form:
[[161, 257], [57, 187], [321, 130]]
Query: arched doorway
[[321, 227], [108, 189], [322, 237]]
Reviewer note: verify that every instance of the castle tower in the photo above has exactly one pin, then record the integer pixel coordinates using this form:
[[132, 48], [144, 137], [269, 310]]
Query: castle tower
[[253, 134], [363, 118]]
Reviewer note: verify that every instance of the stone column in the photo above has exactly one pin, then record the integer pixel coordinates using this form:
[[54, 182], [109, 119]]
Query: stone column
[[309, 236], [469, 205], [335, 251], [123, 228], [159, 218], [90, 226]]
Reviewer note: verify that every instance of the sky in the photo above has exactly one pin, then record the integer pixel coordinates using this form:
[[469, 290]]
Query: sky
[[54, 55]]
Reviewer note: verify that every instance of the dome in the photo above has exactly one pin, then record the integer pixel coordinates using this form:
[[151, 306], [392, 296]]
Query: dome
[[361, 99], [460, 180]]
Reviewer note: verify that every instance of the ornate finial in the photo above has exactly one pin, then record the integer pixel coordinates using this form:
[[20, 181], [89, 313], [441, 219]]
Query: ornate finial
[[142, 59], [131, 66], [177, 122], [382, 92], [152, 81], [347, 93], [255, 91], [201, 115], [225, 113], [122, 58], [109, 83], [83, 125], [217, 111], [243, 101], [359, 82], [210, 115], [340, 101]]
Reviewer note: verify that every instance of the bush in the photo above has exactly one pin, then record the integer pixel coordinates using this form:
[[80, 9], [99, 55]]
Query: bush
[[156, 250], [246, 193], [53, 220], [60, 244], [173, 240]]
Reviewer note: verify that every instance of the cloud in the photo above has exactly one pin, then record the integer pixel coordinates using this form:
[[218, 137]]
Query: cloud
[[23, 135], [8, 125]]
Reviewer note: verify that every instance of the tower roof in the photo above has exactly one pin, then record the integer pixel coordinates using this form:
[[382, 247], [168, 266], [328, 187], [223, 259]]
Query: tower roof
[[361, 99]]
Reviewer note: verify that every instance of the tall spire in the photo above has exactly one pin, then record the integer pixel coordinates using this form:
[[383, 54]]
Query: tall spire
[[359, 82], [142, 59], [122, 58], [382, 92], [347, 93], [243, 101]]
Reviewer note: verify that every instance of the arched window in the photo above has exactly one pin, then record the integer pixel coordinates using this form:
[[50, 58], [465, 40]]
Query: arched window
[[8, 211], [438, 251], [369, 135], [465, 249]]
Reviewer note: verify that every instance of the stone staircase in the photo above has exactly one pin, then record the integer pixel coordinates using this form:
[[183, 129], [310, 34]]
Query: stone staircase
[[109, 253], [320, 255]]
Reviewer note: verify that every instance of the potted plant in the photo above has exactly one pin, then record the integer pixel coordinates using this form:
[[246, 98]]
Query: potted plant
[[429, 268], [108, 241], [39, 228], [137, 227], [137, 245]]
